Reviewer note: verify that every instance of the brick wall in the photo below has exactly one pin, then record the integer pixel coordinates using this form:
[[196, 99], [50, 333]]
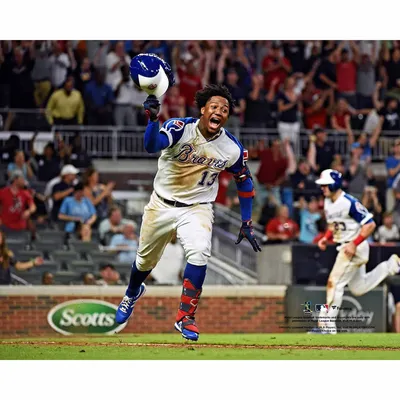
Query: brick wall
[[236, 312]]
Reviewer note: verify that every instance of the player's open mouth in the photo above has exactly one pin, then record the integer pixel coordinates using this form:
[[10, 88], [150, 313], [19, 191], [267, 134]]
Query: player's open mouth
[[214, 123]]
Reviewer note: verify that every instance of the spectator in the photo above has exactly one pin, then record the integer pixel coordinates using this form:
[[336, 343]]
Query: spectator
[[48, 163], [59, 65], [124, 113], [79, 157], [232, 199], [17, 204], [303, 181], [389, 117], [289, 107], [77, 208], [112, 225], [275, 65], [371, 202], [294, 52], [395, 201], [84, 233], [65, 106], [340, 120], [47, 278], [322, 227], [100, 56], [388, 232], [41, 72], [272, 171], [325, 77], [346, 72], [20, 164], [238, 95], [83, 75], [392, 65], [63, 189], [282, 228], [309, 215], [316, 103], [125, 244], [173, 105], [7, 260], [88, 279], [169, 269], [98, 99], [393, 171], [224, 178], [109, 276], [97, 193], [115, 60], [320, 152], [259, 105], [366, 78], [160, 48], [356, 174]]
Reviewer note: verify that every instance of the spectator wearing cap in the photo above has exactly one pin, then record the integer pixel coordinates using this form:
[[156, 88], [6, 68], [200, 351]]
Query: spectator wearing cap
[[47, 164], [112, 225], [282, 228], [289, 109], [17, 204], [388, 231], [77, 209], [65, 106], [125, 243], [275, 65], [309, 215], [20, 164], [320, 152], [99, 98], [63, 189], [238, 95]]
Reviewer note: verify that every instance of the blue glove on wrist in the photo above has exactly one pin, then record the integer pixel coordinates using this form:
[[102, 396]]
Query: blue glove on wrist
[[152, 107], [246, 231]]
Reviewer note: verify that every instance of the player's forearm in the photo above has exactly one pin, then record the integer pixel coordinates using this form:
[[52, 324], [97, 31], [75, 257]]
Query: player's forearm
[[245, 193], [153, 140], [366, 231]]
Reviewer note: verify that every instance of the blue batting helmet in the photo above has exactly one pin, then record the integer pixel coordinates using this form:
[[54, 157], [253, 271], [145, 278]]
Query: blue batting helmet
[[331, 178], [151, 74]]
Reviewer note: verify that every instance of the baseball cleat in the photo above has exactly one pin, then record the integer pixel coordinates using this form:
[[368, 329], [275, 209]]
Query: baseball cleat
[[188, 328], [394, 264], [127, 304]]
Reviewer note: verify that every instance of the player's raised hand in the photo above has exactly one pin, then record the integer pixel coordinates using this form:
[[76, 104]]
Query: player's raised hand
[[152, 107], [247, 231]]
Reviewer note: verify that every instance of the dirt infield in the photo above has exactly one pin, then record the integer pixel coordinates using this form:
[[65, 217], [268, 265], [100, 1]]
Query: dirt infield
[[197, 345]]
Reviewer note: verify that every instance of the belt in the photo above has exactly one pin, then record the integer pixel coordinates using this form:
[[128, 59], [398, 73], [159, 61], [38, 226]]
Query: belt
[[178, 203]]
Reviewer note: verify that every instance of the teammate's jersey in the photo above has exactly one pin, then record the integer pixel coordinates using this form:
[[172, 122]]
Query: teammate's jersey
[[345, 217], [188, 169]]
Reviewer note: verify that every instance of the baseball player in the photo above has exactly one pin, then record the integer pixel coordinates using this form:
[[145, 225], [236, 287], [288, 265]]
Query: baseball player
[[350, 224], [193, 153]]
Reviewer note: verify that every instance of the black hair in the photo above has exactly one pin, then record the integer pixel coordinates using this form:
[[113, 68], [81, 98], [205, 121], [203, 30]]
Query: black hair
[[202, 96], [78, 186], [105, 266]]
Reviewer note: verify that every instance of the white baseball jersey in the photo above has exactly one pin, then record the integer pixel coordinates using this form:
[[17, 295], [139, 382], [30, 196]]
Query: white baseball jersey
[[188, 168], [345, 217]]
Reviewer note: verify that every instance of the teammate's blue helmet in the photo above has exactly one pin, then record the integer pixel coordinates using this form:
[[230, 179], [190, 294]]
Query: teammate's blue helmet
[[151, 74], [332, 178]]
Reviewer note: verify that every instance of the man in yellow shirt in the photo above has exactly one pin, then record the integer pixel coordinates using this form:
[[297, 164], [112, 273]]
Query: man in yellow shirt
[[65, 106]]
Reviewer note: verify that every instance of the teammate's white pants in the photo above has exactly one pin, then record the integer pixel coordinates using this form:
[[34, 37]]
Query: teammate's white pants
[[193, 225], [353, 273]]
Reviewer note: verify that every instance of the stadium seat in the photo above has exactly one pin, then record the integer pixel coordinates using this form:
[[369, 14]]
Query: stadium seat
[[64, 256], [66, 278], [123, 268], [47, 247], [81, 266], [18, 235], [51, 236], [83, 247], [102, 258], [26, 255]]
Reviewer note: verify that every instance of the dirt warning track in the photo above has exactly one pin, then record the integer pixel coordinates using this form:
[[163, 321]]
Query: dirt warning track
[[195, 345]]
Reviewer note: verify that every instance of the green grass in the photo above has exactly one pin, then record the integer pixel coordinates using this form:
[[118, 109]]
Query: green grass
[[117, 347]]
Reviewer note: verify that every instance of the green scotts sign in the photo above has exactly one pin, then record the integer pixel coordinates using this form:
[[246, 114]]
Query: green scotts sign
[[84, 316]]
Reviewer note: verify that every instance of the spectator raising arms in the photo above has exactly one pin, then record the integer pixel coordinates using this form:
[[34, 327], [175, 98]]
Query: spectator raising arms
[[65, 106], [59, 64], [320, 152], [393, 171], [77, 209], [115, 60], [20, 165], [275, 65], [282, 228], [97, 193], [7, 260]]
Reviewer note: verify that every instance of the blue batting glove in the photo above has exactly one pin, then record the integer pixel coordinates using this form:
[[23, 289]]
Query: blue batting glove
[[247, 231], [152, 107]]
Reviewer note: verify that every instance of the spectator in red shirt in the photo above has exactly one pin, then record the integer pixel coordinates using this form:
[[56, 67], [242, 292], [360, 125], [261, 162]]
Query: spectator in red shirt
[[224, 179], [346, 74], [173, 105], [315, 110], [340, 120], [17, 204], [272, 172], [275, 65], [281, 227]]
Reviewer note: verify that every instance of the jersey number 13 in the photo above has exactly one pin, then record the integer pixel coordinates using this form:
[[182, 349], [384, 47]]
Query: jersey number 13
[[207, 179]]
